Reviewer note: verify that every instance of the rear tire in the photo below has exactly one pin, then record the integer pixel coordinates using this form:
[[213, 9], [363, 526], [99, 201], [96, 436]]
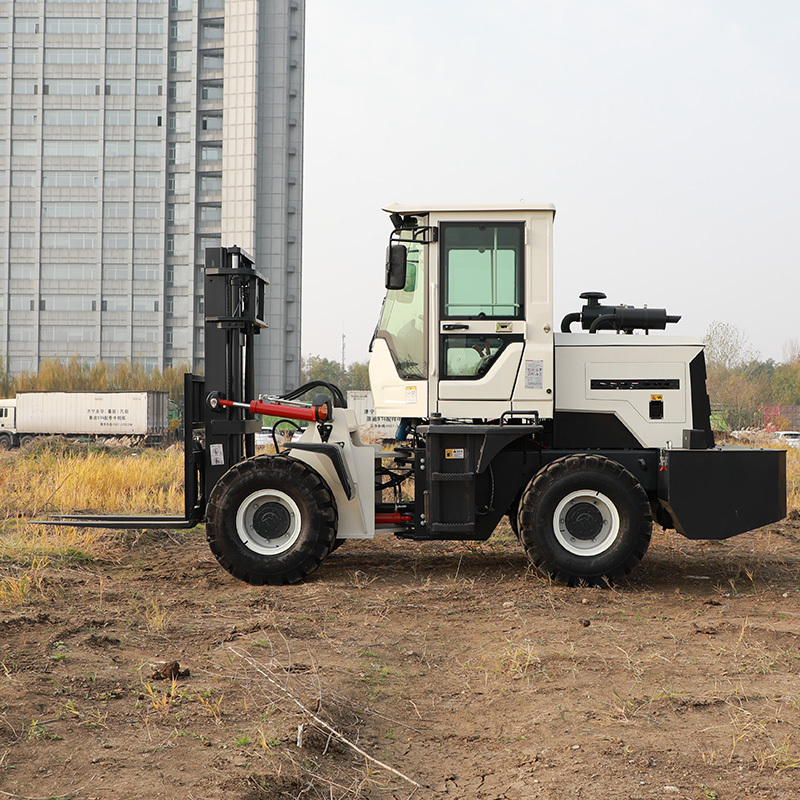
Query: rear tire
[[585, 520], [271, 519]]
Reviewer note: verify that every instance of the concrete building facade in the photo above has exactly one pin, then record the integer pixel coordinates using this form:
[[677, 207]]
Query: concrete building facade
[[133, 135]]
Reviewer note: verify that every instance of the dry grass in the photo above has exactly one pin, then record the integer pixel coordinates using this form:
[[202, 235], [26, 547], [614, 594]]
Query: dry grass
[[793, 478], [42, 482], [39, 482]]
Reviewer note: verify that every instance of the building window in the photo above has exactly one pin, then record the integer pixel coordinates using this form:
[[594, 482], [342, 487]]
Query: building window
[[178, 153], [69, 272], [210, 215], [180, 91], [148, 87], [146, 241], [211, 183], [115, 241], [115, 272], [179, 121], [72, 56], [71, 116], [146, 272], [149, 149], [67, 302], [76, 25], [180, 61], [116, 25], [69, 148], [20, 240], [26, 25], [211, 91], [147, 211], [71, 86], [117, 180], [25, 86], [118, 87], [121, 56], [114, 333], [147, 180], [213, 61], [212, 32], [114, 302], [25, 55], [69, 210], [145, 303], [24, 210], [23, 178], [116, 210], [211, 122], [211, 152], [118, 116], [150, 25], [154, 57], [25, 116], [148, 118], [117, 149], [180, 31]]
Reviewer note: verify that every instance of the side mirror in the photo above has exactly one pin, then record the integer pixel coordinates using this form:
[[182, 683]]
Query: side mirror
[[396, 255]]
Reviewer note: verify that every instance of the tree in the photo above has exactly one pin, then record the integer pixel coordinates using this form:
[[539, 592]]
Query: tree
[[738, 383], [355, 376]]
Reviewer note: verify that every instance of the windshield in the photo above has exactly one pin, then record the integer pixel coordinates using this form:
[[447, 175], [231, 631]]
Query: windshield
[[402, 322]]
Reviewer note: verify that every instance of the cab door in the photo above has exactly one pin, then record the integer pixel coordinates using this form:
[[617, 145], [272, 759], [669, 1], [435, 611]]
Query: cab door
[[481, 325]]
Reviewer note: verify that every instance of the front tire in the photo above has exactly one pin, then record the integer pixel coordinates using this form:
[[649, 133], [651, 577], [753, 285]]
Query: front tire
[[585, 520], [271, 519]]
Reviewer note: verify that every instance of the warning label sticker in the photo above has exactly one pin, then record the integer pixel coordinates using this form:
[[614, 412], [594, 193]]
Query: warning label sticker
[[534, 373], [456, 452], [217, 455], [411, 394]]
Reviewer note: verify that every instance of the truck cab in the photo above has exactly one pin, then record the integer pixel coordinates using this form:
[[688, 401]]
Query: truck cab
[[468, 332], [8, 424]]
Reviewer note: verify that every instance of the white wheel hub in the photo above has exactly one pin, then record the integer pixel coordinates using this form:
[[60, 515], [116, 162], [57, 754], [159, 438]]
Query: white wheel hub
[[586, 523], [268, 522]]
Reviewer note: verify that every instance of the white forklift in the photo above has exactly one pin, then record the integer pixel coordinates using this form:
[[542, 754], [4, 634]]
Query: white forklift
[[580, 437]]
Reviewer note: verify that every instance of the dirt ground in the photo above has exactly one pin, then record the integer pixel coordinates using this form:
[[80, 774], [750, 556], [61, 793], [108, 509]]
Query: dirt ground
[[453, 665]]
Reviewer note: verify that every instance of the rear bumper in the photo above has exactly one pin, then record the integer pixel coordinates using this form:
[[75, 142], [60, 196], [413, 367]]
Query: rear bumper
[[718, 493]]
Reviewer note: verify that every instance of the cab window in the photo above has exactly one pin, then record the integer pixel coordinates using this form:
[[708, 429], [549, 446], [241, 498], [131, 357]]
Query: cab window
[[482, 268]]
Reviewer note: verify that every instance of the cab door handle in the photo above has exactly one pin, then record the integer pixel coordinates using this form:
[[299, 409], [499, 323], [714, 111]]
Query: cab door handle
[[455, 326]]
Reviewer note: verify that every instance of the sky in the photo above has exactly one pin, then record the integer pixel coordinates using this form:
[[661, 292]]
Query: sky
[[666, 134]]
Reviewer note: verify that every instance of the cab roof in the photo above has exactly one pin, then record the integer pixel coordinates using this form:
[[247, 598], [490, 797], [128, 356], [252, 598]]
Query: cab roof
[[399, 208]]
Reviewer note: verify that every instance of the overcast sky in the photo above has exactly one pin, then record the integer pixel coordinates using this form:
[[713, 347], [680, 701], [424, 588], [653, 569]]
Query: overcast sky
[[667, 134]]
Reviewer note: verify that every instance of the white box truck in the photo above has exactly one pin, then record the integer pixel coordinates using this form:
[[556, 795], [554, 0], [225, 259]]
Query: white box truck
[[144, 415]]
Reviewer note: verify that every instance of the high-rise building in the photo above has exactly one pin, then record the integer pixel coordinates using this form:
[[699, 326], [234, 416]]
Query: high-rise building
[[133, 135]]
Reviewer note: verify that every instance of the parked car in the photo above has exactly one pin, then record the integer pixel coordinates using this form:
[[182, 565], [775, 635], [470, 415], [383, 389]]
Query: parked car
[[792, 438]]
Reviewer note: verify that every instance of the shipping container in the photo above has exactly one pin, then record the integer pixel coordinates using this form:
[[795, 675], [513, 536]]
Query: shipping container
[[98, 414]]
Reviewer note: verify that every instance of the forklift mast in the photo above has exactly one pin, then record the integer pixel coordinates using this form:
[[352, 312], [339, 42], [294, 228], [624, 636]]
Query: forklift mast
[[215, 438]]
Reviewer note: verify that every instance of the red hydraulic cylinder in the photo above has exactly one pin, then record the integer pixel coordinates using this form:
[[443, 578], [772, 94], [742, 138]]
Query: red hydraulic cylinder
[[393, 518], [313, 414]]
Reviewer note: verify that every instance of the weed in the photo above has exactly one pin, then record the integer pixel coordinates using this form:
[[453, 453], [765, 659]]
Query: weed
[[779, 758], [212, 707], [19, 588], [36, 731], [155, 617]]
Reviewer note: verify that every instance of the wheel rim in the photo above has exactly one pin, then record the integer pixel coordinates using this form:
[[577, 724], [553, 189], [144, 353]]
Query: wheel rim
[[268, 522], [586, 523]]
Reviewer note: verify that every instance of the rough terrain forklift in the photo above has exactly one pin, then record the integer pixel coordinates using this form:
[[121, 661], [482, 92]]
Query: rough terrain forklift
[[582, 438]]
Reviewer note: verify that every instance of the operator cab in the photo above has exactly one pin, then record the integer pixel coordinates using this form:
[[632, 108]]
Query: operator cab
[[466, 326]]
